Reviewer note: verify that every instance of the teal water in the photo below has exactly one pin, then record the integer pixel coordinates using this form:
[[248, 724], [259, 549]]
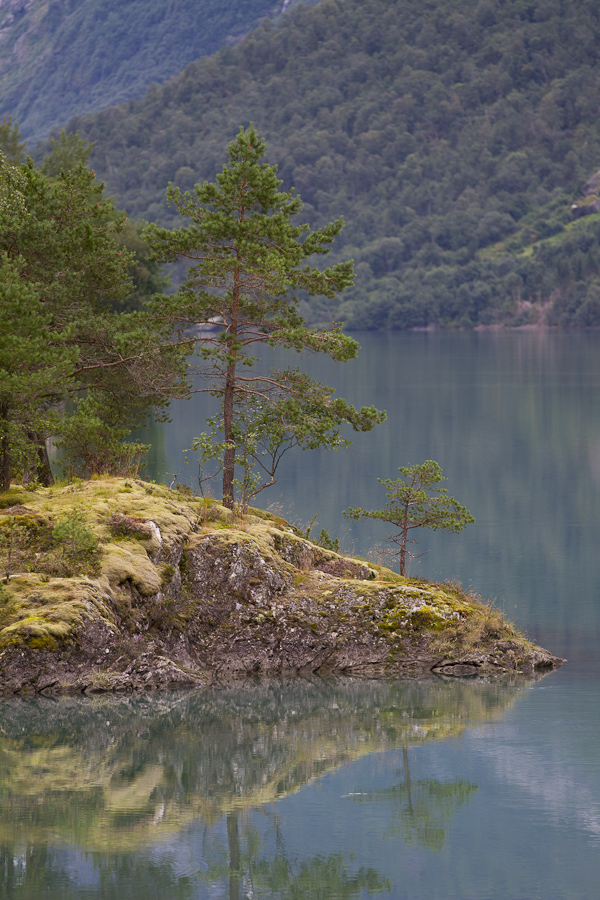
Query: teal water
[[513, 419], [449, 790]]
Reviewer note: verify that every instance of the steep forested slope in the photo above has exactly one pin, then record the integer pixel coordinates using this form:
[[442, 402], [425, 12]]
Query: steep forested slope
[[454, 135], [61, 57]]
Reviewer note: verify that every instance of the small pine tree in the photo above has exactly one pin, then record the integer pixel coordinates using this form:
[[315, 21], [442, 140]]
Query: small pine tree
[[414, 502]]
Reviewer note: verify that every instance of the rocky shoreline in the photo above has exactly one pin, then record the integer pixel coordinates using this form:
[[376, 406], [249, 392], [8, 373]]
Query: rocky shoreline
[[183, 594]]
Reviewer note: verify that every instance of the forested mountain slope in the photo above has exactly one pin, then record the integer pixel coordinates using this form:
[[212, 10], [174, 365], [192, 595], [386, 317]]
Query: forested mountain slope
[[62, 57], [453, 135]]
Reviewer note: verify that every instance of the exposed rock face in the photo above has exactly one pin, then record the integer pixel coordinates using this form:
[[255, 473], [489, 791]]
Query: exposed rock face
[[585, 207], [186, 596], [591, 201]]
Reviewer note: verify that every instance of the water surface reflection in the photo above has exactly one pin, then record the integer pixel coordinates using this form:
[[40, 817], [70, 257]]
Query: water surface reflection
[[119, 777]]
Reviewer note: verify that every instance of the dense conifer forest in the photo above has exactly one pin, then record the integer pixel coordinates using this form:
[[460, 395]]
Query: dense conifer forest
[[454, 136]]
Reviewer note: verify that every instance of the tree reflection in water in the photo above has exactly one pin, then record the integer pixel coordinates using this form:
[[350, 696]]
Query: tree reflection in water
[[251, 874], [422, 808]]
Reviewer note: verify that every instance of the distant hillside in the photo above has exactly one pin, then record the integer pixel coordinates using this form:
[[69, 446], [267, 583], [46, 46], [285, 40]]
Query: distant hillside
[[453, 135], [62, 57]]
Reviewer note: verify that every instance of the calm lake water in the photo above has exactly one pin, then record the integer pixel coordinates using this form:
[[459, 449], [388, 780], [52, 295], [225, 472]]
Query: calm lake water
[[344, 789]]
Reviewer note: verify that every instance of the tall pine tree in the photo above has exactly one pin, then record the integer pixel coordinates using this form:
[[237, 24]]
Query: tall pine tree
[[249, 265]]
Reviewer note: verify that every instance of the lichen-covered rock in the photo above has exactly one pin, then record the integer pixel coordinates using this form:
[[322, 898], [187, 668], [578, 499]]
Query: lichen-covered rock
[[185, 594]]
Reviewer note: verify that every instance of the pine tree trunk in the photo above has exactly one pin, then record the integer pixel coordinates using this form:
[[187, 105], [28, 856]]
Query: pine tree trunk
[[40, 469], [229, 395], [229, 456], [44, 472], [404, 541]]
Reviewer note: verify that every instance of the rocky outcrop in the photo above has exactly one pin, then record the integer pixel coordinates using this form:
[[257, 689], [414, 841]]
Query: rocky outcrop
[[591, 200], [183, 594], [585, 207]]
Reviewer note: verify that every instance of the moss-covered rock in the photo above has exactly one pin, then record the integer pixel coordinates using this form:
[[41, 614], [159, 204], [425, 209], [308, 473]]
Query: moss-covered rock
[[184, 594]]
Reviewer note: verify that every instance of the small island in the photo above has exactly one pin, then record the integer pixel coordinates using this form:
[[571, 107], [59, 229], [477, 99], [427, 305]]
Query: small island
[[121, 585]]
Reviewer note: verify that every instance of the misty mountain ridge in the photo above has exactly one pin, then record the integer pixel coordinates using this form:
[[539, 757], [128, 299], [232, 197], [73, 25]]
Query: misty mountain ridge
[[59, 58], [454, 136]]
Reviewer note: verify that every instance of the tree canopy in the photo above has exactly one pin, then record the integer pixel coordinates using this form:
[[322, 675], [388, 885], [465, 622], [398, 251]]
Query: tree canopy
[[62, 272], [31, 366]]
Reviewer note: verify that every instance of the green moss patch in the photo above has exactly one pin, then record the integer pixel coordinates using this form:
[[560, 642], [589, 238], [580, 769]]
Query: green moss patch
[[51, 612], [129, 562], [12, 498]]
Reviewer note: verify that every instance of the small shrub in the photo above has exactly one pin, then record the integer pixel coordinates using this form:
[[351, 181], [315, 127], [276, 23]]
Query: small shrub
[[327, 542], [76, 542], [29, 543], [93, 442], [127, 526], [415, 502], [324, 540], [344, 568]]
